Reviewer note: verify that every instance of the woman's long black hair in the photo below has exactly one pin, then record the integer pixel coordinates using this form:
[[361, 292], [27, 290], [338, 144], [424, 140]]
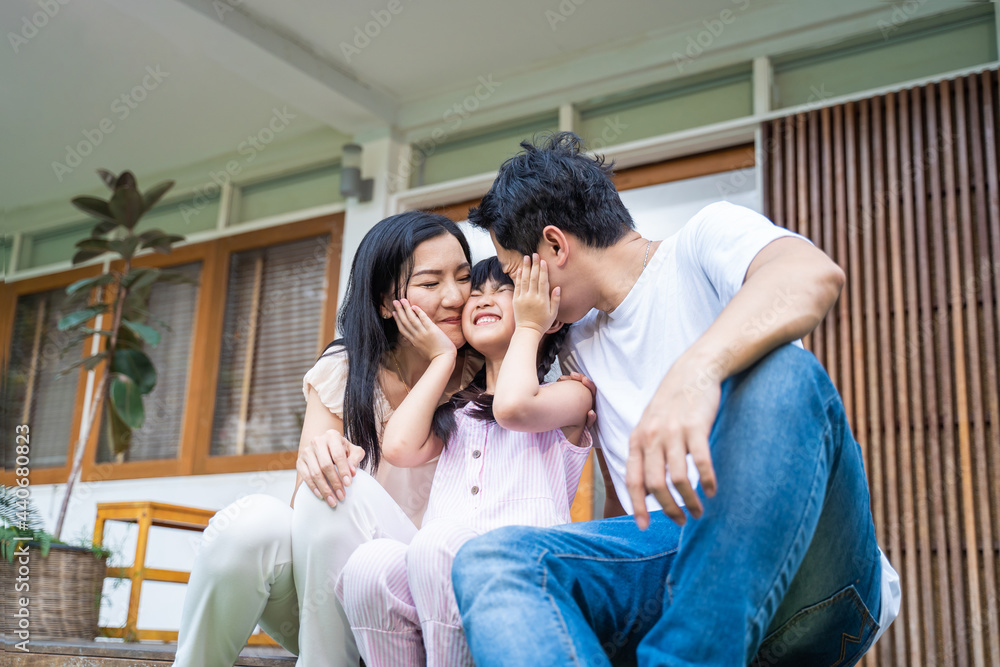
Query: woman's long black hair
[[382, 265], [490, 271]]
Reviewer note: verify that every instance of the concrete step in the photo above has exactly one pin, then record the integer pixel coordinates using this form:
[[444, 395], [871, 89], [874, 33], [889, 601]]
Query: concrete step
[[119, 654]]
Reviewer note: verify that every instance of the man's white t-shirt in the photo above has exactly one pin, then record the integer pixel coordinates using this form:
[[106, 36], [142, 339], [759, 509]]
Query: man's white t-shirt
[[685, 286]]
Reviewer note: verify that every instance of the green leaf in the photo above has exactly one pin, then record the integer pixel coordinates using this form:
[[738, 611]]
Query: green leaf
[[84, 255], [144, 331], [79, 317], [139, 278], [154, 194], [108, 178], [127, 340], [136, 313], [90, 243], [89, 363], [103, 227], [119, 433], [95, 207], [83, 334], [89, 283], [126, 179], [126, 246], [137, 367], [126, 400], [126, 204], [151, 234], [162, 244]]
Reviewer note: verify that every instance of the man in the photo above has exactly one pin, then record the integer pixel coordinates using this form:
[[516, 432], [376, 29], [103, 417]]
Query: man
[[764, 552]]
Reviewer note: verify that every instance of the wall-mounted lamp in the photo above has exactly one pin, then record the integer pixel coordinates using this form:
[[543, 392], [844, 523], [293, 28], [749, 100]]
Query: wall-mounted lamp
[[351, 183]]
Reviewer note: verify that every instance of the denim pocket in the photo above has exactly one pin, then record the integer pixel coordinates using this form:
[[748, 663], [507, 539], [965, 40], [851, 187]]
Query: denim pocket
[[833, 633]]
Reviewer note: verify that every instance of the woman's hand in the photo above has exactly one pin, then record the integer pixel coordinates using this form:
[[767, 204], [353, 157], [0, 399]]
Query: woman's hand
[[534, 306], [418, 329], [327, 463]]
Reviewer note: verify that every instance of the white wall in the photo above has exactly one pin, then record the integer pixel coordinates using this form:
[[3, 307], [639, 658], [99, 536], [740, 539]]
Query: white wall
[[160, 605]]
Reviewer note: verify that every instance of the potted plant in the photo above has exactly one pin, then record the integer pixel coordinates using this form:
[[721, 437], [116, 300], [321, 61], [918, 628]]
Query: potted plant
[[120, 305], [53, 587], [66, 581]]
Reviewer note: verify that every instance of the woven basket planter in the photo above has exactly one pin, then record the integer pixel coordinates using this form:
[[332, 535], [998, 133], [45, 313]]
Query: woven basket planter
[[64, 593]]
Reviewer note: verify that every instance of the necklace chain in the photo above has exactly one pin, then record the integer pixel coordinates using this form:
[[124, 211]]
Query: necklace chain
[[646, 258], [399, 373]]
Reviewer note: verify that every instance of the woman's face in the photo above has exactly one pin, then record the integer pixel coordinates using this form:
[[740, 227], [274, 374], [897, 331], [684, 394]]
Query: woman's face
[[439, 284], [488, 319]]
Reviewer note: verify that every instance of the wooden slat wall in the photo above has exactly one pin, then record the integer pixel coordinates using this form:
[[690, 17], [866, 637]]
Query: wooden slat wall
[[902, 191]]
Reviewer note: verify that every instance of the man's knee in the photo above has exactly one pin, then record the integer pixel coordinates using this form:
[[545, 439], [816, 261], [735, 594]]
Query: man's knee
[[504, 552], [785, 378]]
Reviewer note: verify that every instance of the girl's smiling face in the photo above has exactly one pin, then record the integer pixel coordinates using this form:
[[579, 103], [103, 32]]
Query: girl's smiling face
[[488, 318]]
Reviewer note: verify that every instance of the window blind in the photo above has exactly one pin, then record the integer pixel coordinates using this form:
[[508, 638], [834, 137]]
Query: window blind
[[159, 437], [35, 395], [274, 303]]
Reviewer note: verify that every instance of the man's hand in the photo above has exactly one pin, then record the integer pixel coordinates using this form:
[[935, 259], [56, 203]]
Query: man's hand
[[677, 422], [534, 305], [589, 384], [327, 464]]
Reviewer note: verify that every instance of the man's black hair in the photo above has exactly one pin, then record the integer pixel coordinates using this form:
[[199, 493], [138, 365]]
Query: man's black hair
[[553, 182]]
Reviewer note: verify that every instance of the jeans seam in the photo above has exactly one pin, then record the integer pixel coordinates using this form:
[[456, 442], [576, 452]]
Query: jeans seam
[[616, 560], [798, 536], [555, 607], [866, 622]]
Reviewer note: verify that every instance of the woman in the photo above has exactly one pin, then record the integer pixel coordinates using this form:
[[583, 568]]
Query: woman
[[268, 563]]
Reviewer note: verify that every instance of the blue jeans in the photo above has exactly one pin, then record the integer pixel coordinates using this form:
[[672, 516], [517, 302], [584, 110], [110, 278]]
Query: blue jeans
[[782, 568]]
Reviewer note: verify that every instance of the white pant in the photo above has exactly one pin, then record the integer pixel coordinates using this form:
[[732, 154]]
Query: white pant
[[263, 562]]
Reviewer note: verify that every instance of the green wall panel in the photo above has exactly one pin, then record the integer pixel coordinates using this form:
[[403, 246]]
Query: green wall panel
[[900, 56]]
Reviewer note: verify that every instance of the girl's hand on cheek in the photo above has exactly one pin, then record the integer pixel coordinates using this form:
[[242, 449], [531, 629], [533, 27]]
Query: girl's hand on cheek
[[534, 306], [418, 329]]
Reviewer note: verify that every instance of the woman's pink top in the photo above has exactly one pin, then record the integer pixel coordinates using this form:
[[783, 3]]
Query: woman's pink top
[[489, 477], [409, 487]]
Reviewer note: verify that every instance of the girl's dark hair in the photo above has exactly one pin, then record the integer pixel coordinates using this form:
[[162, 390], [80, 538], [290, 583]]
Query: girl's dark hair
[[490, 271], [382, 265]]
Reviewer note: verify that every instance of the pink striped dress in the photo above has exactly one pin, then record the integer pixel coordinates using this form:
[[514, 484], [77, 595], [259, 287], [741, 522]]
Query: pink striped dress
[[398, 597]]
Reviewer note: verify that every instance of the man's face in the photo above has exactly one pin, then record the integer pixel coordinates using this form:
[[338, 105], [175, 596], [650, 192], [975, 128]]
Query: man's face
[[510, 260], [569, 309]]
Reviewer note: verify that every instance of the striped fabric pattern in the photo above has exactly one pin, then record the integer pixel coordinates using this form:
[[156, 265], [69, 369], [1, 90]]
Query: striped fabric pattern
[[490, 477], [398, 598]]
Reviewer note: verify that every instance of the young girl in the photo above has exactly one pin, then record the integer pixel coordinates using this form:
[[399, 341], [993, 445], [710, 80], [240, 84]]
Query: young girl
[[514, 459]]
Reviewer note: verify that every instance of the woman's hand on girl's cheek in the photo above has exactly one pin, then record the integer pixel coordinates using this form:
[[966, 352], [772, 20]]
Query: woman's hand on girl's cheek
[[534, 305], [423, 334]]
